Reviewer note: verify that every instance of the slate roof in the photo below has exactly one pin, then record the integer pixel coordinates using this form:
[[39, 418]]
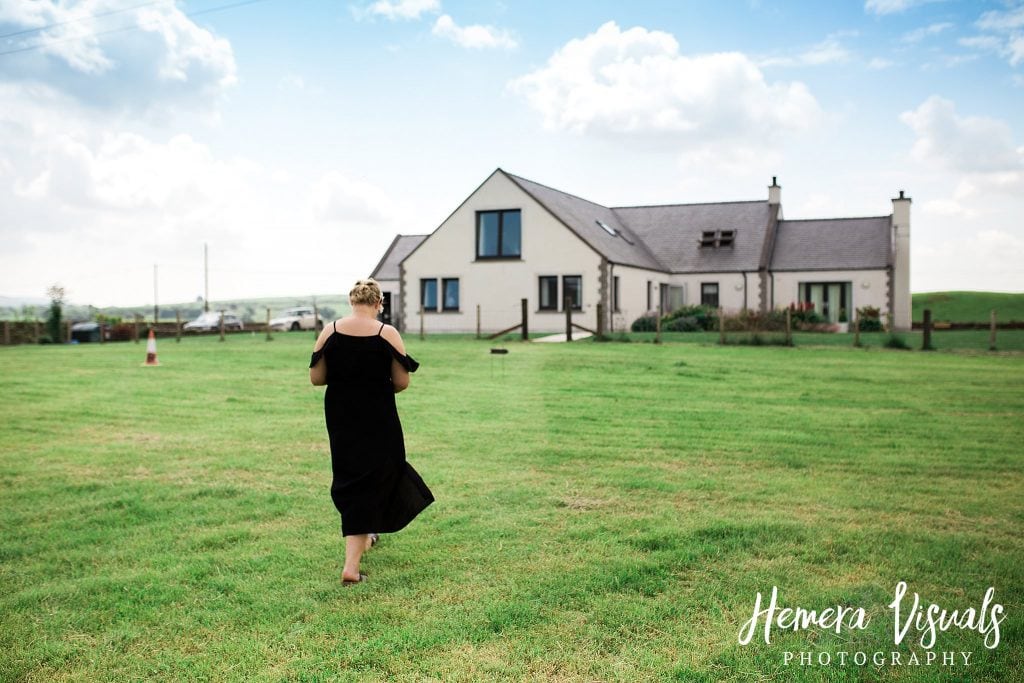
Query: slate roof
[[400, 247], [833, 244], [673, 233], [581, 217]]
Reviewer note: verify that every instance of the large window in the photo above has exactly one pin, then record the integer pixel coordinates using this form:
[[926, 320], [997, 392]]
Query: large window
[[709, 294], [572, 287], [450, 288], [498, 234], [830, 299], [428, 294], [615, 293], [548, 295]]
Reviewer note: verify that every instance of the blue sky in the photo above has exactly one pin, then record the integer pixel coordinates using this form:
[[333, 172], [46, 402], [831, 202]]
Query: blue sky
[[297, 139]]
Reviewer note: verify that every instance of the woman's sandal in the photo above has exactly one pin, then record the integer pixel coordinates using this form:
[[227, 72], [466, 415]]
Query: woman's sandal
[[350, 582], [374, 538]]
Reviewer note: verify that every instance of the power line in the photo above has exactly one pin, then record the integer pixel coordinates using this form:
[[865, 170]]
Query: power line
[[79, 19], [123, 29]]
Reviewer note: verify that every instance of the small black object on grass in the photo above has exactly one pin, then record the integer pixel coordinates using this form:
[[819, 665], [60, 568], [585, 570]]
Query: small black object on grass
[[498, 352]]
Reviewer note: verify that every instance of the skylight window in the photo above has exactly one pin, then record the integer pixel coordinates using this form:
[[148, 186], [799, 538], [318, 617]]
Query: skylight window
[[608, 229], [717, 238]]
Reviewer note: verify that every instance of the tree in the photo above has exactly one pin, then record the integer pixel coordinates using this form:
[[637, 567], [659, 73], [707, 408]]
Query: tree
[[57, 296]]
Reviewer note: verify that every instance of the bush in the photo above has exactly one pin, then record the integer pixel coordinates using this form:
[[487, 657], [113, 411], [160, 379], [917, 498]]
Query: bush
[[706, 317], [684, 324], [645, 323], [869, 319], [804, 314]]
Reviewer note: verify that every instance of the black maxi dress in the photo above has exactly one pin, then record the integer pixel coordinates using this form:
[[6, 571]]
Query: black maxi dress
[[374, 488]]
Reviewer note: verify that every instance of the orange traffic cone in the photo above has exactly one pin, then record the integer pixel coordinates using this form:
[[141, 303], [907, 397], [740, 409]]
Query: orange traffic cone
[[151, 349]]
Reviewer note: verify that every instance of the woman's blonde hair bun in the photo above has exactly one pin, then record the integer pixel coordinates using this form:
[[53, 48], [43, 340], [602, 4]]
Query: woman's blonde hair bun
[[365, 292]]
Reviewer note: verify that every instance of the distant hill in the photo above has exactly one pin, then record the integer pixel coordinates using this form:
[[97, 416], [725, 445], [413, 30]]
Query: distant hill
[[969, 307], [250, 310]]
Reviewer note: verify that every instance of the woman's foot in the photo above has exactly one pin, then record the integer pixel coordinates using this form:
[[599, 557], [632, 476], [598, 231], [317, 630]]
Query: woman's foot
[[371, 540], [349, 579]]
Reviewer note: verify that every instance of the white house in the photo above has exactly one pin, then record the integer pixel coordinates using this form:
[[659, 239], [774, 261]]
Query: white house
[[515, 239], [387, 275]]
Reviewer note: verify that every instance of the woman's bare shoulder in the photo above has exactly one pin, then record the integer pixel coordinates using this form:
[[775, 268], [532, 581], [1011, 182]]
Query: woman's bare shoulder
[[394, 338]]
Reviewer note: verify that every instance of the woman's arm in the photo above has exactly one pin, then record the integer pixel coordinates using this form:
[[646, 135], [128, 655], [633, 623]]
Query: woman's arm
[[318, 373], [399, 375]]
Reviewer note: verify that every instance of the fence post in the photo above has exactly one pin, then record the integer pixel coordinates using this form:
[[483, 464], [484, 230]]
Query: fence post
[[177, 326], [422, 335], [657, 325], [567, 305], [856, 328], [478, 321], [721, 326], [526, 330], [135, 328], [992, 330], [222, 325], [7, 333], [268, 325], [68, 328], [926, 337], [36, 329], [789, 327]]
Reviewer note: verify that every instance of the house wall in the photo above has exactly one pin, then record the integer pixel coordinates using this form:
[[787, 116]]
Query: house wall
[[730, 289], [869, 288], [547, 248], [632, 294]]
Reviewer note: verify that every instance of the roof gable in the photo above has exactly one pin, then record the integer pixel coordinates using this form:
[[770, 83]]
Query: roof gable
[[401, 246]]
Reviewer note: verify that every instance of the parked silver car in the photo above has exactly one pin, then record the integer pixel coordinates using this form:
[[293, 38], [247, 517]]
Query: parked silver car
[[300, 318], [210, 322]]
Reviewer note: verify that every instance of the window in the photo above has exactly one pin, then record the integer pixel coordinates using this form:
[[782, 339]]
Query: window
[[709, 294], [572, 287], [450, 289], [498, 234], [615, 293], [548, 297], [717, 238], [830, 299], [649, 295], [428, 295], [608, 229]]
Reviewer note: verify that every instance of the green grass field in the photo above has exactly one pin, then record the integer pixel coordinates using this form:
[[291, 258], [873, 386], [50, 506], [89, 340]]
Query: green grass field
[[605, 512], [969, 307]]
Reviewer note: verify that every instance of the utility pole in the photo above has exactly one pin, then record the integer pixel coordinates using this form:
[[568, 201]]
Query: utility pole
[[156, 306], [206, 279]]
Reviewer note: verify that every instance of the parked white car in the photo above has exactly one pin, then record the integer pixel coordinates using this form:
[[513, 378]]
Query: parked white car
[[210, 322], [301, 318]]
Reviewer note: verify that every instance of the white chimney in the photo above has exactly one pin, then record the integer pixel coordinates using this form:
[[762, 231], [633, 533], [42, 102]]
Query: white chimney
[[774, 192], [901, 319]]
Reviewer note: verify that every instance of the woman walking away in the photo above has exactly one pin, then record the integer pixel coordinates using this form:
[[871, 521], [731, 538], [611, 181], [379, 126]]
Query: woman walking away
[[364, 364]]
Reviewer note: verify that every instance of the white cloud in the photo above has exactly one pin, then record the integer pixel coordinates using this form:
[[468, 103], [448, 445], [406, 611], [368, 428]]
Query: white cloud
[[1003, 34], [828, 51], [882, 7], [636, 83], [989, 259], [919, 34], [166, 59], [341, 199], [1002, 21], [879, 63], [474, 36], [403, 9], [971, 144]]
